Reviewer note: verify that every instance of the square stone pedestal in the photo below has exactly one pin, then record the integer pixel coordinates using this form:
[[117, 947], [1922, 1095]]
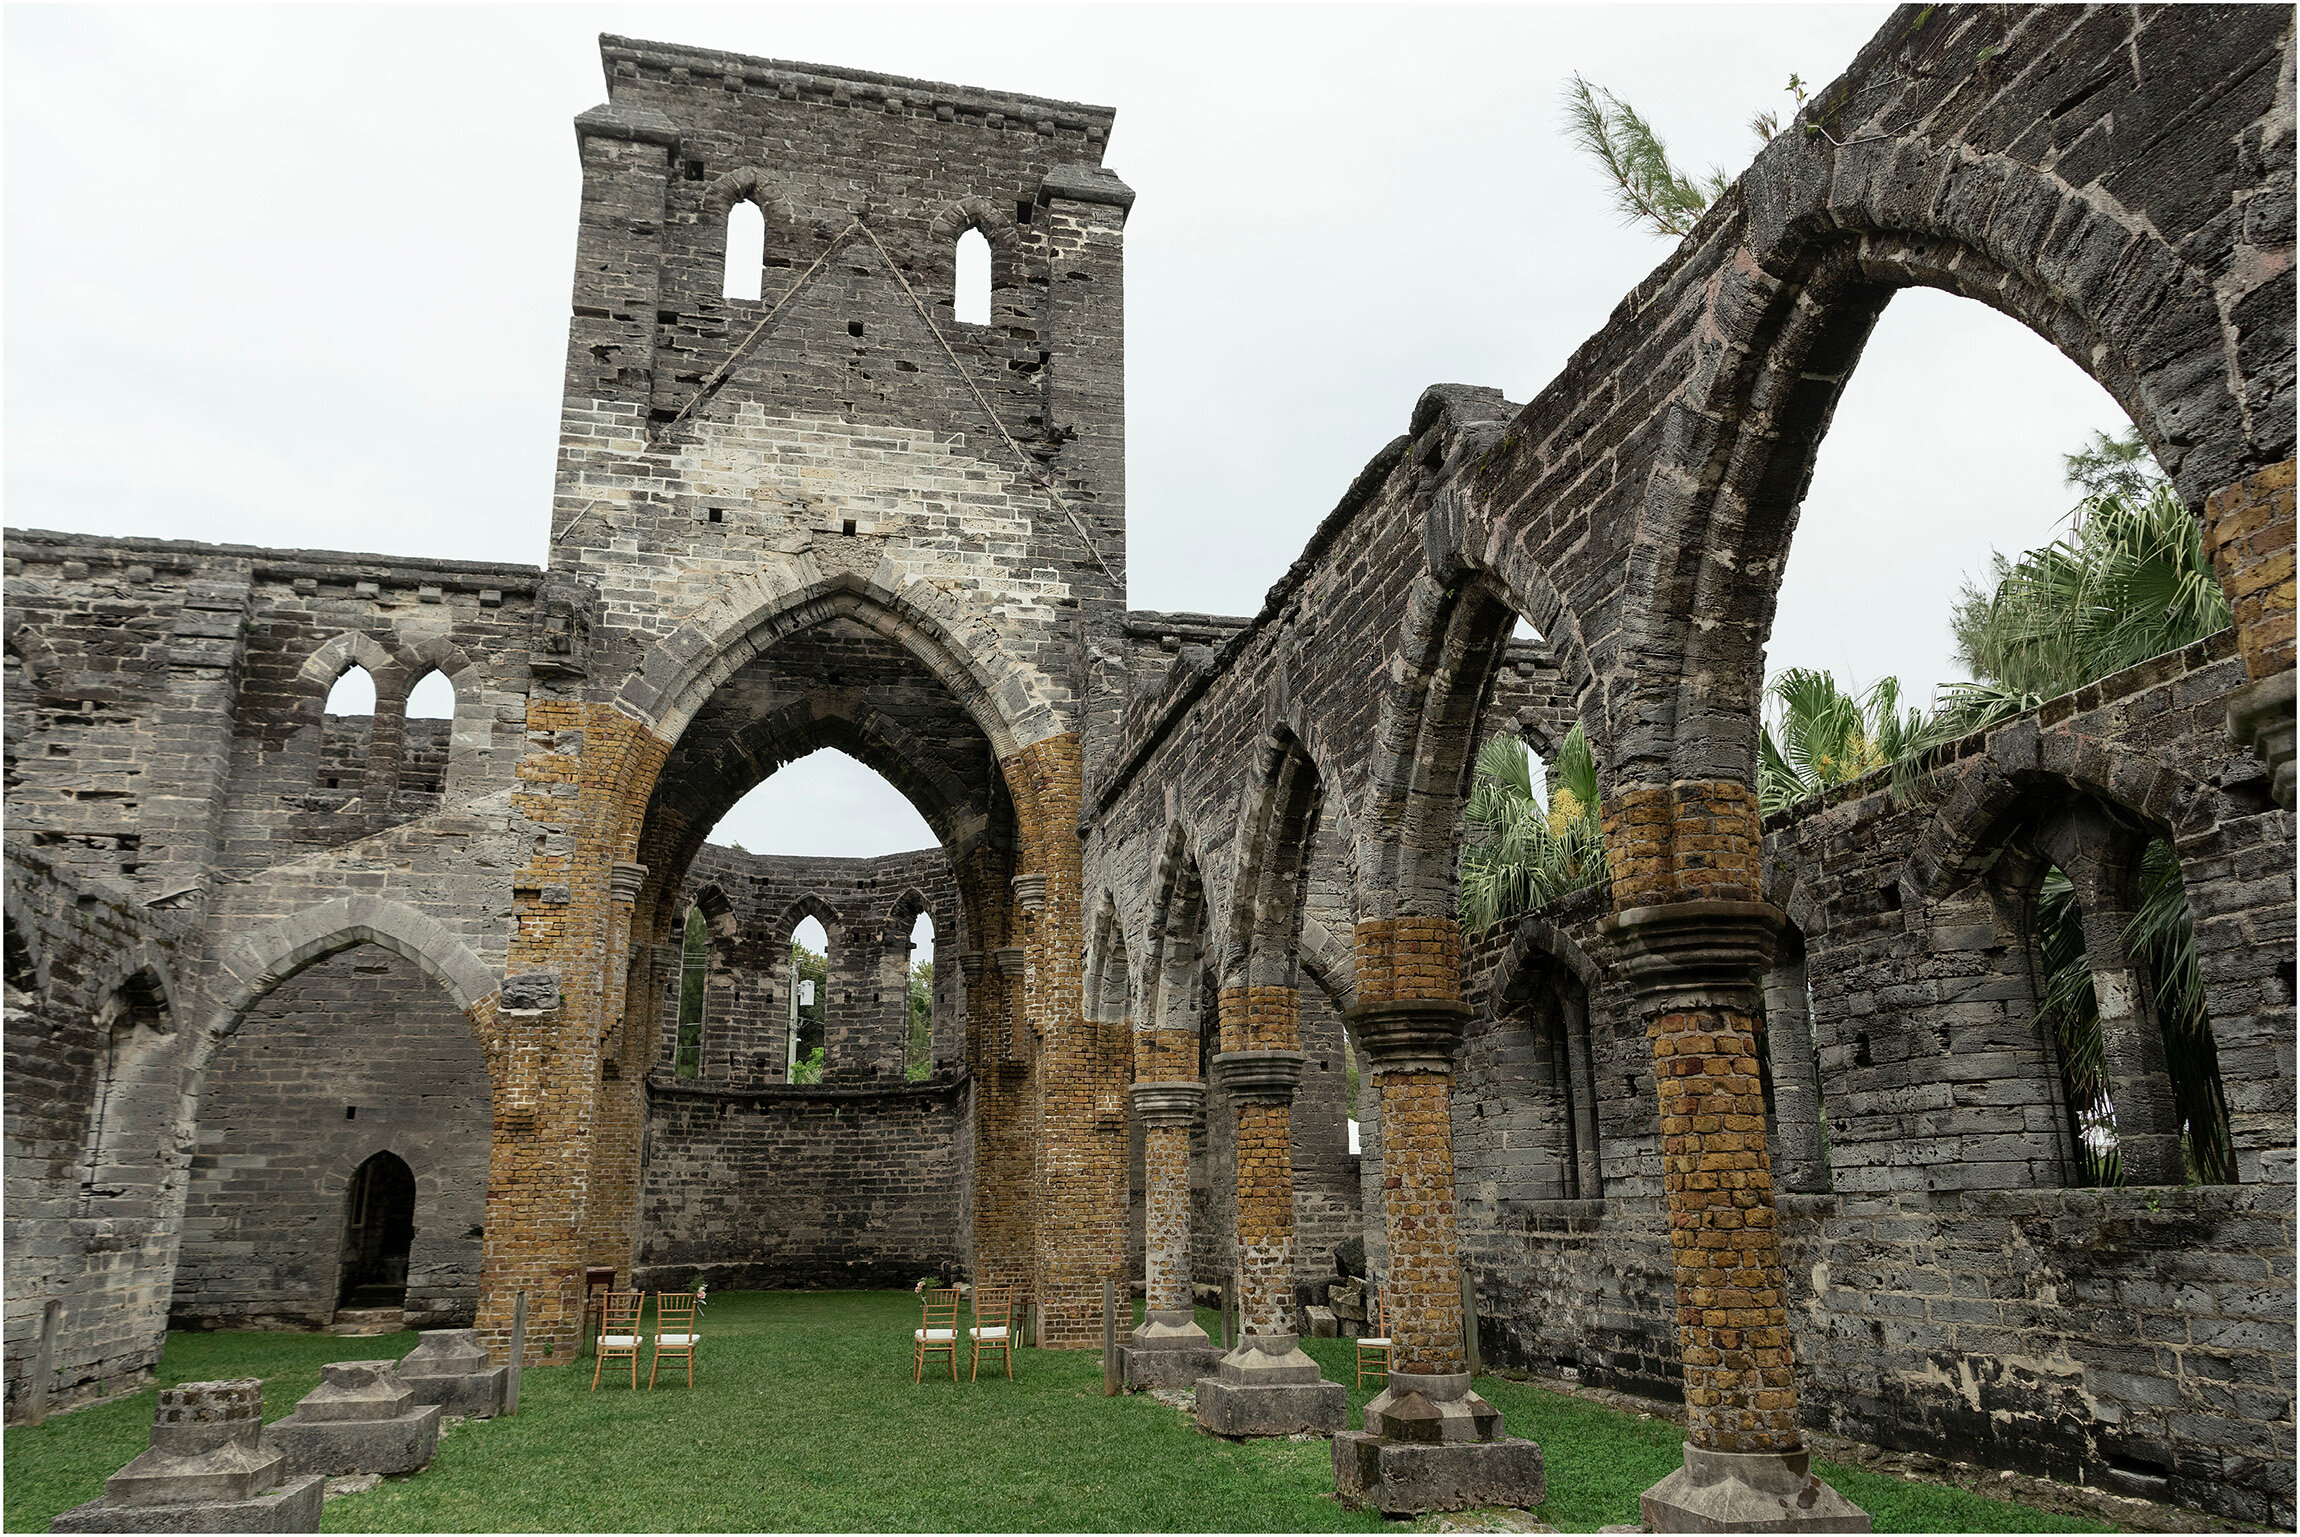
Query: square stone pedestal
[[360, 1419], [292, 1507], [1748, 1492], [449, 1368], [1268, 1386], [1432, 1444], [206, 1470], [1167, 1350]]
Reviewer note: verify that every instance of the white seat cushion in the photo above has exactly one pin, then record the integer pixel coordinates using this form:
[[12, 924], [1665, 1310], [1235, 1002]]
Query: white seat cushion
[[676, 1339], [994, 1332], [934, 1334], [1384, 1344], [618, 1341]]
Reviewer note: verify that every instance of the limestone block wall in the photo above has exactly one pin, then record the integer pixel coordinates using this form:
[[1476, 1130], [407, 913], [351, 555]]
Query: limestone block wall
[[1949, 1290], [802, 1187], [356, 1055], [867, 908], [73, 947]]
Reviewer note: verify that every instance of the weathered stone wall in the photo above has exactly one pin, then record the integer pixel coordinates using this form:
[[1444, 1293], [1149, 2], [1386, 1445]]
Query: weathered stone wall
[[356, 1055], [73, 949], [867, 908], [836, 516], [1949, 1292], [803, 1187]]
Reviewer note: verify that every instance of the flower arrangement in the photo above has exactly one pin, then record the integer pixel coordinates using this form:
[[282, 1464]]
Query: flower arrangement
[[702, 1291]]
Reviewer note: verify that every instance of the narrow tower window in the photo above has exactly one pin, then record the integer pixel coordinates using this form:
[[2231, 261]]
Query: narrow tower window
[[746, 251], [432, 698], [970, 303], [353, 694]]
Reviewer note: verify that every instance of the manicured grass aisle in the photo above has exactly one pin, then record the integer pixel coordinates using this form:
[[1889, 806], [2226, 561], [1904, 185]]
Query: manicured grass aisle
[[804, 1418]]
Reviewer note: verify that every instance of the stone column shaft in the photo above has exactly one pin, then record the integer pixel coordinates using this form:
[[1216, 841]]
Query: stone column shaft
[[1696, 967]]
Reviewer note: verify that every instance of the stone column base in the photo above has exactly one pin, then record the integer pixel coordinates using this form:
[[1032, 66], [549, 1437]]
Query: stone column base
[[1748, 1492], [1407, 1478], [397, 1445], [292, 1507], [1167, 1350], [1269, 1387]]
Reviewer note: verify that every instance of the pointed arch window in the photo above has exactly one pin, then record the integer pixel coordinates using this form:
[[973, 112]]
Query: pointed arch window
[[746, 251], [432, 698], [346, 730], [694, 975], [918, 1058], [353, 693], [970, 295]]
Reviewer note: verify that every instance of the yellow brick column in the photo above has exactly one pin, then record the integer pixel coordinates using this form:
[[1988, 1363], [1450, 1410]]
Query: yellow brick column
[[1695, 947], [562, 1170], [1267, 1385], [1079, 1225], [2249, 532], [1409, 1020], [1168, 1349]]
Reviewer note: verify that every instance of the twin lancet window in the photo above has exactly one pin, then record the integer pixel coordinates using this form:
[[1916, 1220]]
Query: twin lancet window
[[746, 256]]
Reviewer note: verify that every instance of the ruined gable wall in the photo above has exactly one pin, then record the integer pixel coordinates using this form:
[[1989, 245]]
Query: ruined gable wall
[[986, 459], [366, 1032]]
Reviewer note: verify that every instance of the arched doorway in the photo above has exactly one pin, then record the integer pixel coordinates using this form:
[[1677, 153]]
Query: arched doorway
[[378, 1234]]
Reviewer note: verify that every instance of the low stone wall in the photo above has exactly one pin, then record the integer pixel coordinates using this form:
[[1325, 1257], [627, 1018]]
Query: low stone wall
[[802, 1187]]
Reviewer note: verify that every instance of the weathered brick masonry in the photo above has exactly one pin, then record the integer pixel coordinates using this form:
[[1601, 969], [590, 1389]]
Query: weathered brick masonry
[[838, 516]]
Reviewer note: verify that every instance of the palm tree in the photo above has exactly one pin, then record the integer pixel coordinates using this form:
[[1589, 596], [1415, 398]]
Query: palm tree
[[1519, 853], [2128, 582], [1826, 736]]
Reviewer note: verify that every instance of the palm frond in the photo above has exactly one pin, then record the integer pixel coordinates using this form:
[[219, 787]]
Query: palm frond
[[1647, 188]]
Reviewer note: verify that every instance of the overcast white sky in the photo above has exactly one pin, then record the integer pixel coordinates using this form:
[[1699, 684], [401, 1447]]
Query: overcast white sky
[[298, 276]]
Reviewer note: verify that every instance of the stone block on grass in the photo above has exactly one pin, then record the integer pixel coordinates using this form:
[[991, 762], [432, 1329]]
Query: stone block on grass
[[360, 1419]]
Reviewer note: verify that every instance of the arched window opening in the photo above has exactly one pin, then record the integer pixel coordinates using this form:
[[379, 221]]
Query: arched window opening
[[429, 733], [1530, 830], [378, 1233], [970, 298], [825, 804], [746, 251], [1544, 1090], [132, 1131], [809, 1001], [694, 977], [1882, 492], [1796, 1113], [918, 1063], [2157, 1032], [432, 698], [353, 693], [346, 729]]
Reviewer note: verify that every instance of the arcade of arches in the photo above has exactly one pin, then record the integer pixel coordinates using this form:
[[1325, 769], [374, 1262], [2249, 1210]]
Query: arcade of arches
[[431, 1005]]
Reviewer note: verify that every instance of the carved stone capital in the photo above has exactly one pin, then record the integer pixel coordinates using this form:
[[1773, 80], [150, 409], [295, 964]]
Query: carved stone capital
[[1695, 955], [1011, 959], [1030, 891], [1411, 1035], [971, 962], [1171, 1103], [624, 880], [1260, 1077]]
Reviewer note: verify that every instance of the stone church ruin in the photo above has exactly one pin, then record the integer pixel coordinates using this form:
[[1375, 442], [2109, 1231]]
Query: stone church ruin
[[313, 1014]]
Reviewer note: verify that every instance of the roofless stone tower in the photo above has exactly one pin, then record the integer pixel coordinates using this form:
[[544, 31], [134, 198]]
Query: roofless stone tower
[[833, 514]]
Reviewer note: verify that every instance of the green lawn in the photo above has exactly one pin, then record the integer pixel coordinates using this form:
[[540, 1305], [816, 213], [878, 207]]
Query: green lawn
[[804, 1418]]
